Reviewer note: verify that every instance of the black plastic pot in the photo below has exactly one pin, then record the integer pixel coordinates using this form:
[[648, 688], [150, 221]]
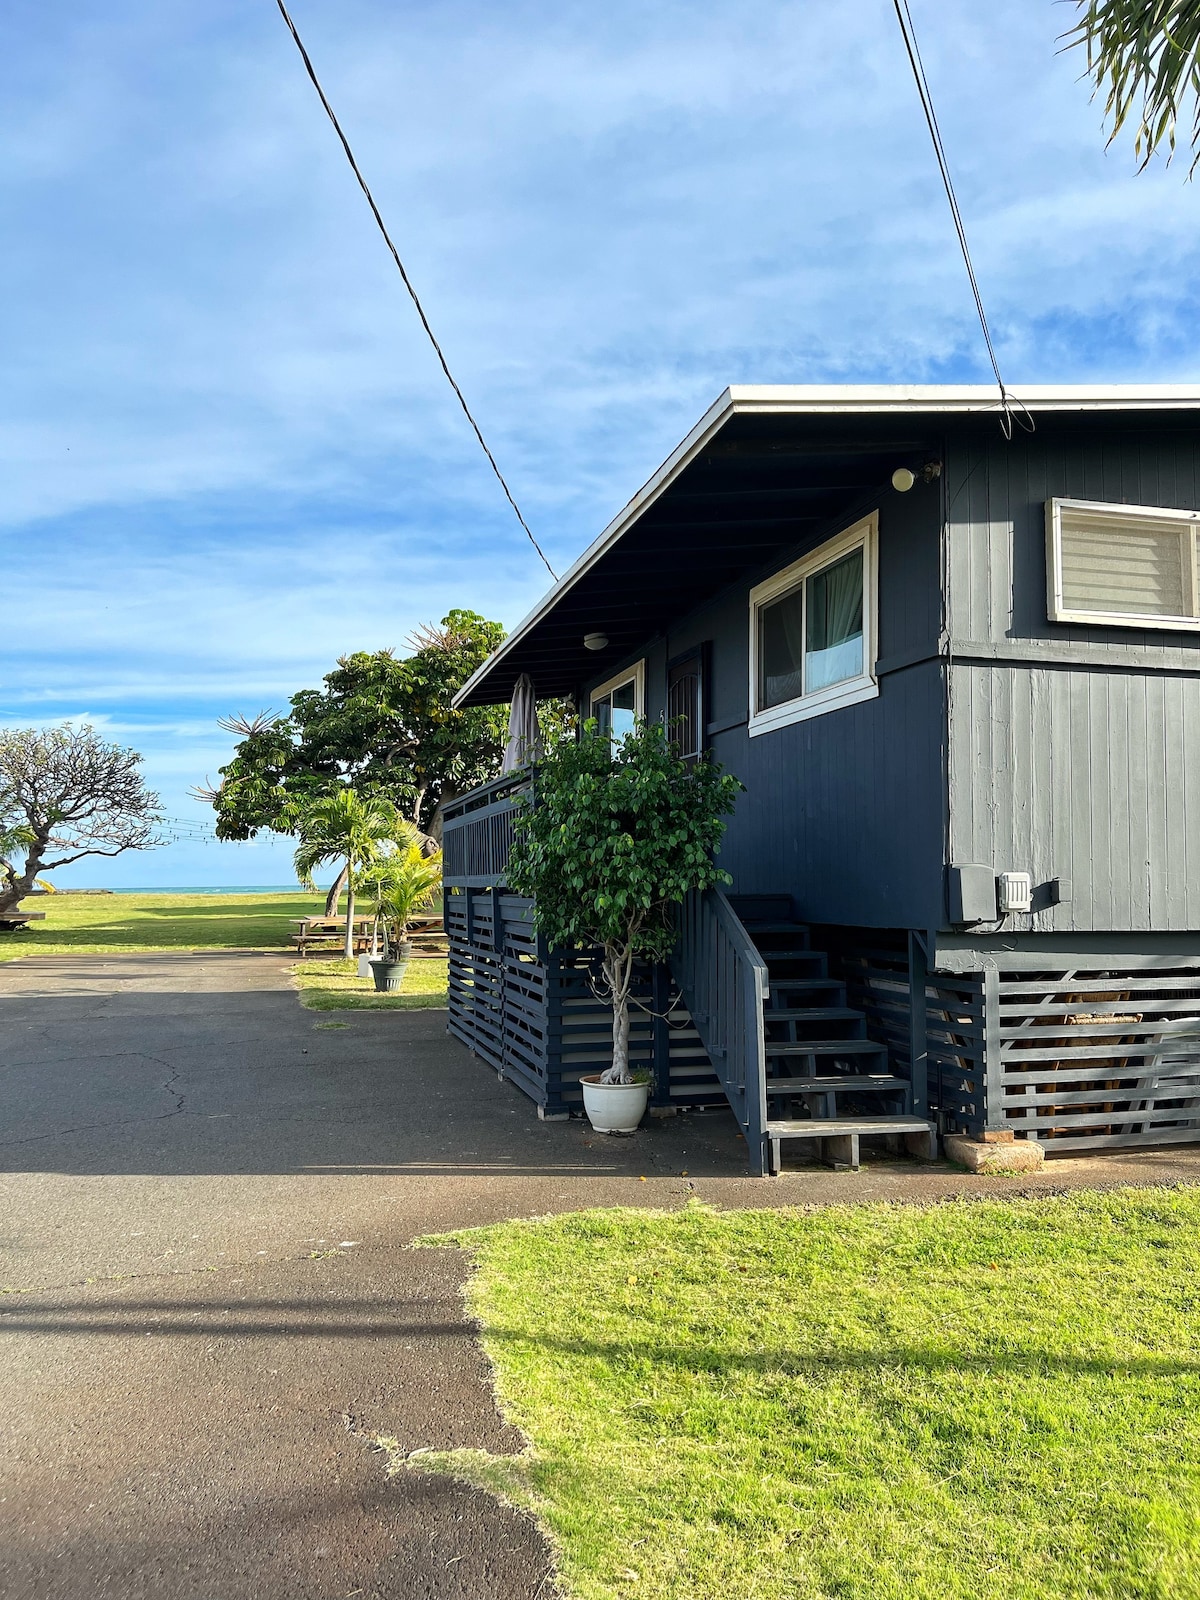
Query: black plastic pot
[[389, 971]]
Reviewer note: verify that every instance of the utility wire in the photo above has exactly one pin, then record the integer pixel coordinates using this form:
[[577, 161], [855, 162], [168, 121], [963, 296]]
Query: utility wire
[[1010, 407], [362, 183]]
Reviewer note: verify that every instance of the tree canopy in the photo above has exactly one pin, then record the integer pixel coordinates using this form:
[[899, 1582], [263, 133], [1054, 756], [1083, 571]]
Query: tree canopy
[[611, 842], [1144, 55], [381, 723], [66, 793]]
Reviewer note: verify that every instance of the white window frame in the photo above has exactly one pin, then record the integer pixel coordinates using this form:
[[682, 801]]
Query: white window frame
[[1058, 611], [864, 535], [636, 674]]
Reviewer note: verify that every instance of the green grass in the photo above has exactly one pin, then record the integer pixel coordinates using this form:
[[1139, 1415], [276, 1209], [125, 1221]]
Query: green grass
[[107, 924], [874, 1403], [336, 986]]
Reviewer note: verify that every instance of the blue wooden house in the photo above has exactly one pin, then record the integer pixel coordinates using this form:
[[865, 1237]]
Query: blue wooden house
[[959, 676]]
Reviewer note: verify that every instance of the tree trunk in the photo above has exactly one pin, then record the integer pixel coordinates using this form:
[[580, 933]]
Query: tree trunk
[[618, 970], [348, 950], [12, 893], [335, 893]]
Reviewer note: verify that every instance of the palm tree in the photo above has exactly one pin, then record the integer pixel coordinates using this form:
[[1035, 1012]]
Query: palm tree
[[346, 828], [1144, 54], [399, 885]]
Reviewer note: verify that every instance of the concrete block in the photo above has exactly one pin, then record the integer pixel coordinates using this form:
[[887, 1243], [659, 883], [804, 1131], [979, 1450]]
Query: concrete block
[[1023, 1155]]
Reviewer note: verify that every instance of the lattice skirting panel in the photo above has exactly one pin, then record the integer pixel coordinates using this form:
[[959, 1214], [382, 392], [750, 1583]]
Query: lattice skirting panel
[[530, 1013], [1090, 1059], [1078, 1059]]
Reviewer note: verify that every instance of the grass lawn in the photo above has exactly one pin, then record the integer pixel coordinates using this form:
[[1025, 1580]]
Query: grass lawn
[[336, 986], [877, 1403], [113, 922]]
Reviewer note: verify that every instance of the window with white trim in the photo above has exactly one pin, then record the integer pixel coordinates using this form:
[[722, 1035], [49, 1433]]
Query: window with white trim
[[812, 632], [1126, 566], [619, 705]]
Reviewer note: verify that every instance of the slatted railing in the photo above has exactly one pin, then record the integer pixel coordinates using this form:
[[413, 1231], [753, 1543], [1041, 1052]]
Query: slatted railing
[[723, 980], [477, 832]]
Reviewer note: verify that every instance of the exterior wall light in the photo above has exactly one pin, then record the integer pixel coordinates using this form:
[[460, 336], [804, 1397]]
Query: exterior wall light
[[903, 479], [595, 641]]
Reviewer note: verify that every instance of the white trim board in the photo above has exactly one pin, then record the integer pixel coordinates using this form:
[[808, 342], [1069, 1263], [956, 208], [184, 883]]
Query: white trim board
[[865, 686], [848, 399]]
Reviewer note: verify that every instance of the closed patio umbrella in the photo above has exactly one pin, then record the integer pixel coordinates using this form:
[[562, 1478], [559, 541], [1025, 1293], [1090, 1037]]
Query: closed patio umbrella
[[523, 742]]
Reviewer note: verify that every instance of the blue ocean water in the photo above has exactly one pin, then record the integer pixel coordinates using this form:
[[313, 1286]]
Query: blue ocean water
[[205, 888]]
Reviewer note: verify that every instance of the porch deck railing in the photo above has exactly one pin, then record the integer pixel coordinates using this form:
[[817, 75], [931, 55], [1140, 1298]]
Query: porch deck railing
[[477, 832], [724, 984]]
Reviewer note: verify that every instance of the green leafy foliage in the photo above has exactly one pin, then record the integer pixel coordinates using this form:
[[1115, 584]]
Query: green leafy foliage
[[615, 838], [381, 723], [1145, 55], [400, 884], [612, 841], [350, 828], [346, 827]]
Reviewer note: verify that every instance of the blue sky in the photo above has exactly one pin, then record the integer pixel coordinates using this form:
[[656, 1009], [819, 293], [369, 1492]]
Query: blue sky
[[228, 455]]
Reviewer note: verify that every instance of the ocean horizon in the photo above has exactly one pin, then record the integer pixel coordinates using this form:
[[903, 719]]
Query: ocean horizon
[[199, 888]]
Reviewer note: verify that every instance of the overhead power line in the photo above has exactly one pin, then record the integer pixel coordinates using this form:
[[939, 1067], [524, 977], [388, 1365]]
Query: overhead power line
[[1010, 407], [375, 212]]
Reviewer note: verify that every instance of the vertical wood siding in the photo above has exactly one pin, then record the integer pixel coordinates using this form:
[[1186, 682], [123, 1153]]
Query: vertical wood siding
[[1089, 776], [845, 811], [1074, 750]]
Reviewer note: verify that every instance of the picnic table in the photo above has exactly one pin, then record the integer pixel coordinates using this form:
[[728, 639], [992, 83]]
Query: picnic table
[[330, 933]]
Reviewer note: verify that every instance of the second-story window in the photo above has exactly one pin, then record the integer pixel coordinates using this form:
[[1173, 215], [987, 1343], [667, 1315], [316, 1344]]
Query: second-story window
[[812, 632]]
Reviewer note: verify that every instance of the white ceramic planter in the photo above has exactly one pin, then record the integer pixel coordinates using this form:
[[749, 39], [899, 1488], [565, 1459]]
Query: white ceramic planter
[[614, 1107]]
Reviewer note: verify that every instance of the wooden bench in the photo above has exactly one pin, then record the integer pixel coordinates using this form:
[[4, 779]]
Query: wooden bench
[[10, 921]]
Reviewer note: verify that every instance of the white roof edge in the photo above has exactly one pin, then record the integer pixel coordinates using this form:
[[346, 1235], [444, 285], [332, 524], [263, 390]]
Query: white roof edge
[[851, 399]]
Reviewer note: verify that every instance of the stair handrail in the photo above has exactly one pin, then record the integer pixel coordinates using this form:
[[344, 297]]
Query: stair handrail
[[723, 980]]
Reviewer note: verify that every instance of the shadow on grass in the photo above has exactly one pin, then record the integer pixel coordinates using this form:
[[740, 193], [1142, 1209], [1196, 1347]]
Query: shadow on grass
[[309, 1318]]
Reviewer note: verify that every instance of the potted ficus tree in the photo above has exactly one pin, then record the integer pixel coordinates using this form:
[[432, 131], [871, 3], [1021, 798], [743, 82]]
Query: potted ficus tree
[[398, 886], [612, 839]]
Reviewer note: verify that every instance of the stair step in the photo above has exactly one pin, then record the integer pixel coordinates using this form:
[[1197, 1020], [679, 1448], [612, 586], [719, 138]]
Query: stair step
[[805, 983], [821, 1127], [836, 1081], [812, 1014], [828, 1047], [796, 929]]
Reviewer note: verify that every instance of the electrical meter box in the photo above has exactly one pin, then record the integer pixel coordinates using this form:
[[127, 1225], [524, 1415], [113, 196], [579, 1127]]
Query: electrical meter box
[[1014, 892]]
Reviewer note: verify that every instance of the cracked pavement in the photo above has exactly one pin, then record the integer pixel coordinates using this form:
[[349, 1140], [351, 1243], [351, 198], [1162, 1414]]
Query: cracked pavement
[[209, 1306]]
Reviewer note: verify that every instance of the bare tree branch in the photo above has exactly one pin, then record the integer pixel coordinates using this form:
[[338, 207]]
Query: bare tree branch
[[67, 791]]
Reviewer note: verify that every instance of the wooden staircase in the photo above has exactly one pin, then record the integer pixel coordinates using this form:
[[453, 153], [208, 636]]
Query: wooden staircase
[[824, 1078]]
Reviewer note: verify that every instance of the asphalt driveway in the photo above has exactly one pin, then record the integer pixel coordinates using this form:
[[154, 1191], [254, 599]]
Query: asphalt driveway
[[209, 1308]]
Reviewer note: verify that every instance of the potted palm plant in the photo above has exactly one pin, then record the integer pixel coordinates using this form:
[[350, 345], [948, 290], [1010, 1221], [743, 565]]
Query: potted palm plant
[[398, 886], [609, 845], [346, 827]]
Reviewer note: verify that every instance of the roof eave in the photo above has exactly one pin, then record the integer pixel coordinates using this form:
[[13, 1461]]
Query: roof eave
[[850, 399]]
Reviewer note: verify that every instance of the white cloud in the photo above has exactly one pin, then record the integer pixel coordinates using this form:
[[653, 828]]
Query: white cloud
[[228, 455]]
